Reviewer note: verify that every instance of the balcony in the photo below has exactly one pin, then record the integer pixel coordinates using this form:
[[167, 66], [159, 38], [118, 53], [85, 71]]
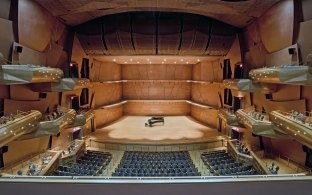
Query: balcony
[[295, 124], [14, 126], [52, 123], [23, 74], [228, 116], [82, 117], [65, 84], [287, 74], [247, 85], [259, 124]]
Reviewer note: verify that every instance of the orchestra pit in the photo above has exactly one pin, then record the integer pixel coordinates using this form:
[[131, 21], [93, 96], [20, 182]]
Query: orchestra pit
[[155, 97]]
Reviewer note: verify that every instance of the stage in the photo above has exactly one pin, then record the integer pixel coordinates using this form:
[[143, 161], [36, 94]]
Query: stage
[[175, 130]]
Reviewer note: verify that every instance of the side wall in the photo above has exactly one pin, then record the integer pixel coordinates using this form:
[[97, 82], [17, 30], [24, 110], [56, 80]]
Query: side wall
[[266, 42]]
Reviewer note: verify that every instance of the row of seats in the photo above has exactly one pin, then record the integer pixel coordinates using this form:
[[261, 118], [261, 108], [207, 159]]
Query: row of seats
[[90, 164], [156, 164], [221, 163]]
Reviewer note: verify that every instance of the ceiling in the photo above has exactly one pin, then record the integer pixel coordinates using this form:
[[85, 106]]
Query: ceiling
[[239, 14], [156, 33]]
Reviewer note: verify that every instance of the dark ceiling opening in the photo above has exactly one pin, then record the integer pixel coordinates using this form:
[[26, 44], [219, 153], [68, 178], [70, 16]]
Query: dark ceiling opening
[[156, 33]]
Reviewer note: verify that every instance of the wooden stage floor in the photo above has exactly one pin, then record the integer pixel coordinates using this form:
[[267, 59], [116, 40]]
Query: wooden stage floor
[[176, 130]]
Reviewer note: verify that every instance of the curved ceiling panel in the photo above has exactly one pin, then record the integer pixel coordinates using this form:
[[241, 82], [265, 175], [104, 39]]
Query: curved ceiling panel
[[156, 33], [169, 33], [144, 32], [117, 34]]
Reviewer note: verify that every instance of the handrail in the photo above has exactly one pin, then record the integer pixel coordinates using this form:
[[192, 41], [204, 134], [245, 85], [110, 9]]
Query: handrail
[[193, 179], [258, 161]]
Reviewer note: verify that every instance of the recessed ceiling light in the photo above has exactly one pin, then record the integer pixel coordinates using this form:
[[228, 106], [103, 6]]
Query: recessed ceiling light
[[130, 60], [198, 60], [148, 59], [165, 59], [114, 60], [138, 62], [182, 60], [174, 62], [162, 62], [150, 62], [187, 62], [126, 62]]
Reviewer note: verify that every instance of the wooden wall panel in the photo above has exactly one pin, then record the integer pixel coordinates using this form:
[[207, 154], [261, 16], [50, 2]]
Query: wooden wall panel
[[54, 55], [304, 40], [78, 54], [107, 115], [52, 99], [11, 106], [207, 94], [289, 148], [255, 57], [106, 94], [217, 70], [306, 9], [286, 93], [35, 25], [306, 93], [252, 35], [276, 26], [4, 94], [196, 71], [28, 56], [4, 91], [298, 105], [156, 72], [105, 71], [282, 57], [156, 90], [156, 108], [204, 115], [22, 149], [234, 54], [23, 92], [5, 9], [6, 37], [208, 71]]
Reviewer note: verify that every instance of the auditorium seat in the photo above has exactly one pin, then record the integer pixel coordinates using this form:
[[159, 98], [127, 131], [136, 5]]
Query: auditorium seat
[[223, 164], [90, 164], [156, 164]]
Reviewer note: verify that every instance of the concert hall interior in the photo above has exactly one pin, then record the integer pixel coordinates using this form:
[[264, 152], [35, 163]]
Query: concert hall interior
[[137, 96]]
